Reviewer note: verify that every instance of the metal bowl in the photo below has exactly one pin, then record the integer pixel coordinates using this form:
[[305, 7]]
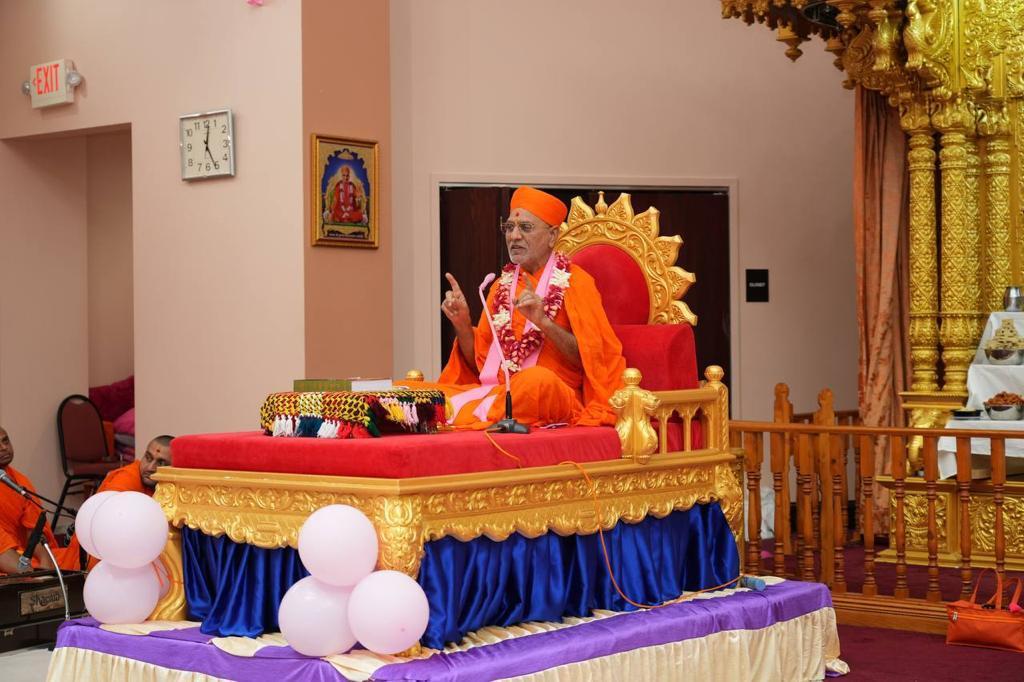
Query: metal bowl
[[999, 356], [1013, 299], [1005, 412]]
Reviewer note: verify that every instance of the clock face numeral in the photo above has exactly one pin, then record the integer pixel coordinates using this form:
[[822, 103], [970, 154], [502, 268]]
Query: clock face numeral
[[207, 147]]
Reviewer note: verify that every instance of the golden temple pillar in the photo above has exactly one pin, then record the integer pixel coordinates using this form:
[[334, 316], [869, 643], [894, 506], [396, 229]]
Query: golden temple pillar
[[924, 296], [960, 266], [998, 274]]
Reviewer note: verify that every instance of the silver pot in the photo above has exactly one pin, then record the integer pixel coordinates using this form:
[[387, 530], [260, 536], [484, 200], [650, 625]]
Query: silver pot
[[1005, 412], [1000, 356], [1013, 299]]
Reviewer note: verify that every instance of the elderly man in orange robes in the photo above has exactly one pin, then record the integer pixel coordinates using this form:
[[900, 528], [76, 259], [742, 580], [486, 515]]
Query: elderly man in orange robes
[[550, 333], [138, 476], [18, 517]]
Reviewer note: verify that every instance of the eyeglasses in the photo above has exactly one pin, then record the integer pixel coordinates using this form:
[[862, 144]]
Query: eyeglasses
[[525, 228]]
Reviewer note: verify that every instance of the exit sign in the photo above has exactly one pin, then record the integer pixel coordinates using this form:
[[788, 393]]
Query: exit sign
[[49, 83]]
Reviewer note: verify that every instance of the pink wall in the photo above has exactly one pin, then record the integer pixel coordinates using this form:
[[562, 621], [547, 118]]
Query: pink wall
[[654, 91], [109, 219], [346, 93], [218, 283], [43, 327]]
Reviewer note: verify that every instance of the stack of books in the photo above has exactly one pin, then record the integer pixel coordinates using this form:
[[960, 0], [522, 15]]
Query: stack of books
[[333, 385]]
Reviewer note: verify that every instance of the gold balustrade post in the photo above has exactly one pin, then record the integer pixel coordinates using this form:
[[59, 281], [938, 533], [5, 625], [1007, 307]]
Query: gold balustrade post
[[994, 128], [960, 266], [923, 257]]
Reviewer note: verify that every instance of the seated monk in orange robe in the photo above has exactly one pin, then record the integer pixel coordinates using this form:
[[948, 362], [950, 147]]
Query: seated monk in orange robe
[[137, 476], [18, 517], [563, 358]]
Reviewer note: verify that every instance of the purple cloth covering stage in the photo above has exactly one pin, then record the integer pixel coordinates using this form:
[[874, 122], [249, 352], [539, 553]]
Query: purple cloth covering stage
[[189, 649]]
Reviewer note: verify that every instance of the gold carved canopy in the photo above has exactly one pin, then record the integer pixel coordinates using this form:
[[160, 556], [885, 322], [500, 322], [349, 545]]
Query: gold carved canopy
[[954, 69]]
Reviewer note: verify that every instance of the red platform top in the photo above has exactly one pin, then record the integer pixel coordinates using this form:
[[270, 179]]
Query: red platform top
[[394, 456]]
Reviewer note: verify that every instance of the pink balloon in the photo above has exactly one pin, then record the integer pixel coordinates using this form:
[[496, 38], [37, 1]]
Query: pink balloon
[[388, 612], [83, 520], [121, 595], [129, 530], [338, 545], [313, 617]]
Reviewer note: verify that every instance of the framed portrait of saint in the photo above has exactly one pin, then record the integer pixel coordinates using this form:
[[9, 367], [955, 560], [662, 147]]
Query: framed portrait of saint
[[344, 208]]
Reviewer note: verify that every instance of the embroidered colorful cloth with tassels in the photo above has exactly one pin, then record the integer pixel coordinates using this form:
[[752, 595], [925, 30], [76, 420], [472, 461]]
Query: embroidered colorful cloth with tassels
[[352, 414]]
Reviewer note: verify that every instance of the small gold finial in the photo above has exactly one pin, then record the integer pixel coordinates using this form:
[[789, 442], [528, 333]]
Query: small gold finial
[[714, 374], [632, 376], [414, 375], [601, 207]]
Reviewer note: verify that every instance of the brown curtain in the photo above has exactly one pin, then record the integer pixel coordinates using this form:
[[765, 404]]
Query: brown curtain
[[880, 208]]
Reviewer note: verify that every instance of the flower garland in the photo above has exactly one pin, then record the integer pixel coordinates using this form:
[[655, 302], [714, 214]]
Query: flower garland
[[516, 351]]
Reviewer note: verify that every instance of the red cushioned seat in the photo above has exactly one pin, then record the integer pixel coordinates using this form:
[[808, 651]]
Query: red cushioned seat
[[394, 456]]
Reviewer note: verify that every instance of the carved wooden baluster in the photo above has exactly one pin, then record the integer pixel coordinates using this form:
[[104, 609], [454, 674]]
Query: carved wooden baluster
[[752, 447], [899, 473], [963, 485], [780, 480], [839, 495], [817, 479], [826, 531], [858, 486], [931, 476], [783, 414], [998, 484], [806, 478], [867, 479], [843, 444]]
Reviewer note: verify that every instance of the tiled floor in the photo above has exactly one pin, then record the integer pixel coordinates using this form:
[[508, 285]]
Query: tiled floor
[[25, 665]]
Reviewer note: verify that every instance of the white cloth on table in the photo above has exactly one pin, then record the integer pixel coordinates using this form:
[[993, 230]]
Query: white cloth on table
[[981, 446]]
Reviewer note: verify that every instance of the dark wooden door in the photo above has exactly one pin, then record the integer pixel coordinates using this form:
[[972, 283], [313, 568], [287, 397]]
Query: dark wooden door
[[471, 247]]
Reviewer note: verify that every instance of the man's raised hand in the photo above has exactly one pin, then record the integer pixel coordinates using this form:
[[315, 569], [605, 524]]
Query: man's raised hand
[[454, 306], [530, 305]]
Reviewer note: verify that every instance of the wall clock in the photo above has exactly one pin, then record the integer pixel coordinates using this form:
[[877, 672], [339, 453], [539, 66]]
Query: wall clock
[[207, 141]]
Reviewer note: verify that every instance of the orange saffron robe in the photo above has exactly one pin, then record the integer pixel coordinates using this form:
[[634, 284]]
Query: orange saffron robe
[[18, 517], [125, 479], [551, 391]]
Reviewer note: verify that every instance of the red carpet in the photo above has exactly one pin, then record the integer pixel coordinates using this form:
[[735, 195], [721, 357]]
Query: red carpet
[[879, 655]]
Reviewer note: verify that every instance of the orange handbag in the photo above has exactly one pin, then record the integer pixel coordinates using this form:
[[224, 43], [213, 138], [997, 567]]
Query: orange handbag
[[987, 625]]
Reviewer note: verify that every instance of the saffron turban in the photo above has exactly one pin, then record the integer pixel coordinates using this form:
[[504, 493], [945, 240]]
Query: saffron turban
[[548, 208]]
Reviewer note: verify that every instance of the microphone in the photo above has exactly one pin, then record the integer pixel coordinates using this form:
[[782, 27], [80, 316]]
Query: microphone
[[6, 480], [25, 560], [508, 424]]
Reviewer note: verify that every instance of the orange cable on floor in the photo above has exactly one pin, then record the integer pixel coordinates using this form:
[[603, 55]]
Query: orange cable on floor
[[519, 462]]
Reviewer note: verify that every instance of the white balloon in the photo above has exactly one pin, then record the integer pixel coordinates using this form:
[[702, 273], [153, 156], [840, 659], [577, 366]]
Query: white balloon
[[129, 530], [338, 545], [388, 612], [83, 520], [121, 595], [313, 617]]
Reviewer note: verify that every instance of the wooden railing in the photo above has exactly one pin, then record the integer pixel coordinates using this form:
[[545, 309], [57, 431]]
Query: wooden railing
[[817, 453]]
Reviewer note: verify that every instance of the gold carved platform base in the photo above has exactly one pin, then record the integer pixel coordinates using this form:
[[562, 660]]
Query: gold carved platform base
[[948, 519], [267, 510]]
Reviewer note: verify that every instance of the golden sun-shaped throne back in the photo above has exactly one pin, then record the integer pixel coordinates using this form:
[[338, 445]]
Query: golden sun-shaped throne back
[[640, 237]]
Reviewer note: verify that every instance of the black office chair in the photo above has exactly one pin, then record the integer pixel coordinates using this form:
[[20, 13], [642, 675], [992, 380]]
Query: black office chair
[[83, 448]]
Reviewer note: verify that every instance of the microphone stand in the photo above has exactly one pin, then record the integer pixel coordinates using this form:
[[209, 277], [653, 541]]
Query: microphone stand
[[509, 424], [60, 578]]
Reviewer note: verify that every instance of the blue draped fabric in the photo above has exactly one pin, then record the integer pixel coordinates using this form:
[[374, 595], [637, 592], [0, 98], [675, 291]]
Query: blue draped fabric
[[482, 582], [235, 589]]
